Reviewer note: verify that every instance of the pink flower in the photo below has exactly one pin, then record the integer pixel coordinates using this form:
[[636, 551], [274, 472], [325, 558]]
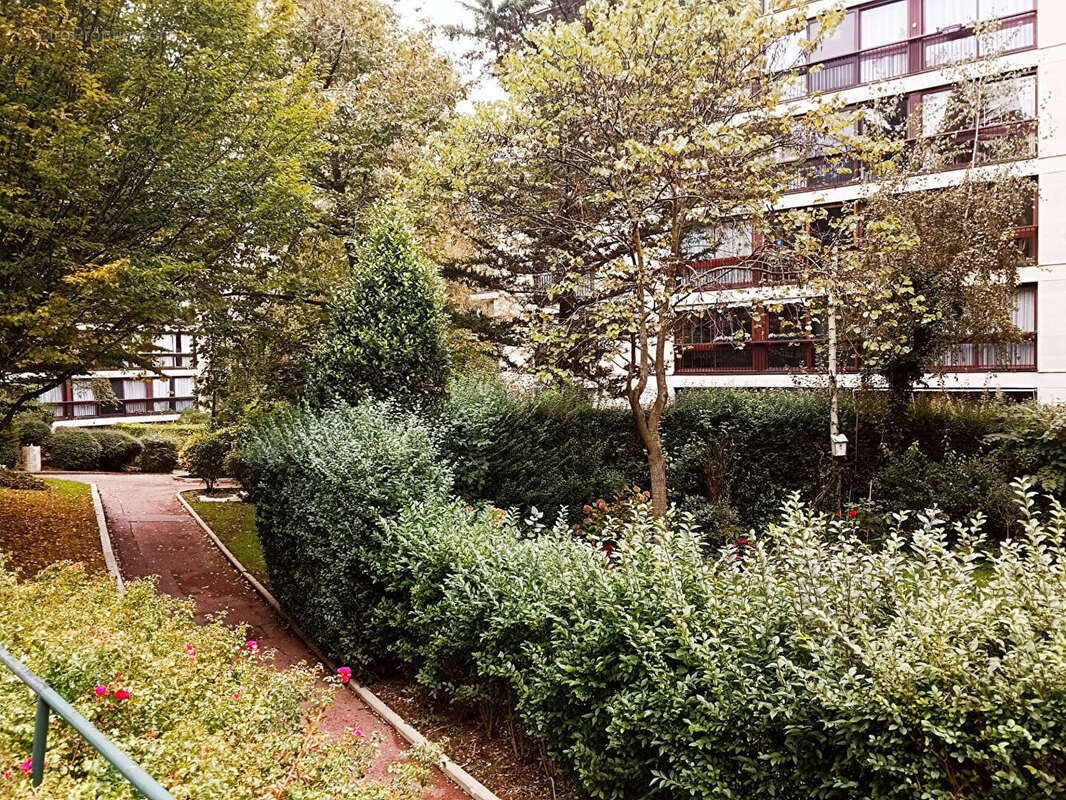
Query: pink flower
[[101, 690], [26, 765], [122, 694], [253, 645], [237, 695], [345, 673], [356, 732]]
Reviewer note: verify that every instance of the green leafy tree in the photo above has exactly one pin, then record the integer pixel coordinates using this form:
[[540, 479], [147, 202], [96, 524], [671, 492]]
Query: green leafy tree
[[624, 133], [151, 149], [387, 334], [388, 89]]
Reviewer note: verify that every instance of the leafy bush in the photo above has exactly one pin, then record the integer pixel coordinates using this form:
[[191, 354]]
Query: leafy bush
[[117, 449], [176, 432], [387, 334], [9, 447], [204, 714], [33, 431], [204, 456], [13, 479], [657, 669], [325, 487], [734, 456], [157, 454], [74, 449]]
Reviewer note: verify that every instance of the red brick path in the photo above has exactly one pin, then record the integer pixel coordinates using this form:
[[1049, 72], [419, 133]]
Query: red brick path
[[153, 535]]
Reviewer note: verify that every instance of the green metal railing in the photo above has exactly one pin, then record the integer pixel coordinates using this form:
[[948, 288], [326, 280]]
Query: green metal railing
[[49, 701]]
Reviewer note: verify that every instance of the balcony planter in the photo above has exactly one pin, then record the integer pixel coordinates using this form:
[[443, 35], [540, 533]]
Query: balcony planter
[[31, 458]]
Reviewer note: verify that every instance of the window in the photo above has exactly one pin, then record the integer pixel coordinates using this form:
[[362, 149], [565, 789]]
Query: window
[[944, 14], [840, 43], [135, 392], [882, 25]]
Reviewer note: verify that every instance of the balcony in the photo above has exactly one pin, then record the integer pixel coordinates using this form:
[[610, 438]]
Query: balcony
[[920, 54], [739, 272], [93, 409]]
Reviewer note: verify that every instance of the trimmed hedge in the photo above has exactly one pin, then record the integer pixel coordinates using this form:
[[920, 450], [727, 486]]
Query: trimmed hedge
[[806, 664], [735, 456], [157, 454], [74, 449], [117, 449]]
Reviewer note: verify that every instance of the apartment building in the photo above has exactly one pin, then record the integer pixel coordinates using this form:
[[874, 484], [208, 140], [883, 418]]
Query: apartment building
[[904, 49], [133, 394]]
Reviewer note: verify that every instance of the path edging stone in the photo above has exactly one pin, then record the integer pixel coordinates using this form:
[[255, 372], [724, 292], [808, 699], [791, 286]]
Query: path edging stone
[[105, 537], [467, 782]]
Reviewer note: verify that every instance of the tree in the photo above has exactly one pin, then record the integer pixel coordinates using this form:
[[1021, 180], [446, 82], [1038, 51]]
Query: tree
[[917, 265], [388, 91], [626, 133], [503, 24], [387, 335], [148, 147]]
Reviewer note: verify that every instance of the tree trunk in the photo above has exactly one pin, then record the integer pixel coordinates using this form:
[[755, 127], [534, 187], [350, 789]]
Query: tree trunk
[[657, 470]]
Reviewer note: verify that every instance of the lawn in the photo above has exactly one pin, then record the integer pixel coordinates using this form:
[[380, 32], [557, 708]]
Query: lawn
[[234, 524], [39, 528]]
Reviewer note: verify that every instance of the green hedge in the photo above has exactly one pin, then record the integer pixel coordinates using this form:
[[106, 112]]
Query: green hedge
[[735, 456], [74, 449], [117, 449], [358, 465], [808, 665]]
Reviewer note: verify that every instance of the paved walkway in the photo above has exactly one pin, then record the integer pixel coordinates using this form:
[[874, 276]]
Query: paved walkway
[[153, 535]]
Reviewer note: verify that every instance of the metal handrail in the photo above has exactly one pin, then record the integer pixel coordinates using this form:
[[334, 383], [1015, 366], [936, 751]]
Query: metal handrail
[[48, 700]]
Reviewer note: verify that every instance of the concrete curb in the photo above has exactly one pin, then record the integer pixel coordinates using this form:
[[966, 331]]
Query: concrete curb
[[105, 538], [467, 782]]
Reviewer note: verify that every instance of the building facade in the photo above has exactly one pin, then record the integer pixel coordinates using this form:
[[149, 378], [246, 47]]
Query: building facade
[[904, 49], [105, 397]]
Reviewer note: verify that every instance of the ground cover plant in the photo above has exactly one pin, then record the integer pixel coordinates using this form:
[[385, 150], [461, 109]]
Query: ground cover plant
[[656, 664], [38, 528], [203, 711]]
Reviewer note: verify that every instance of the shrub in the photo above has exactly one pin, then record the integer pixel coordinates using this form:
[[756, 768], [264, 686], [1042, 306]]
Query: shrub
[[204, 455], [74, 449], [157, 454], [657, 670], [205, 715], [387, 335], [13, 479], [324, 488], [117, 449], [9, 447], [32, 430]]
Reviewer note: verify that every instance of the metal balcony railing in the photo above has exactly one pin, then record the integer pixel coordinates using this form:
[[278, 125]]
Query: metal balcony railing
[[49, 702], [932, 51]]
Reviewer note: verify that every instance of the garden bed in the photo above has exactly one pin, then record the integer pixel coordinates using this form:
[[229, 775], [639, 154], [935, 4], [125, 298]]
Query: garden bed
[[39, 528]]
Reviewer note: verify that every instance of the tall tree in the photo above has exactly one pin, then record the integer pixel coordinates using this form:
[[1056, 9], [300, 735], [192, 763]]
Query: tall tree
[[388, 90], [624, 133], [147, 146]]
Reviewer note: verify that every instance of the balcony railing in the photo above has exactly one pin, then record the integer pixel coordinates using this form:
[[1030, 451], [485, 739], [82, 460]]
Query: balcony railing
[[802, 357], [133, 407], [732, 273], [935, 50]]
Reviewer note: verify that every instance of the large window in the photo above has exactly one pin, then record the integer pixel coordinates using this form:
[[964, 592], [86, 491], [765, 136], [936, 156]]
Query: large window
[[884, 28]]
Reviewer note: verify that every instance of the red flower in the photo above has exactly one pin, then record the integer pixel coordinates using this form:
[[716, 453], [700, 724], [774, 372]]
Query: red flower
[[853, 513], [122, 694]]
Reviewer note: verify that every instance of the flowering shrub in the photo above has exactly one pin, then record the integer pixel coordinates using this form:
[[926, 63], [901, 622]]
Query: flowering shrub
[[798, 663], [205, 715]]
